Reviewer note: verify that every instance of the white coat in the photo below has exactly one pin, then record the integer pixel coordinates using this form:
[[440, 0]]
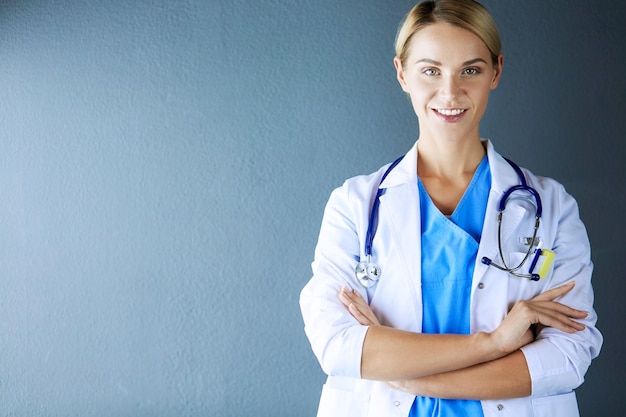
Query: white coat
[[557, 361]]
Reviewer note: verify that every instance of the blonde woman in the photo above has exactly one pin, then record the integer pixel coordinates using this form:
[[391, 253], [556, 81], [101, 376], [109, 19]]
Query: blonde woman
[[459, 314]]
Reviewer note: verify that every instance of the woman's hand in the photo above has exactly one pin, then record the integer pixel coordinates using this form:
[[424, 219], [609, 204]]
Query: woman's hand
[[358, 307], [542, 310]]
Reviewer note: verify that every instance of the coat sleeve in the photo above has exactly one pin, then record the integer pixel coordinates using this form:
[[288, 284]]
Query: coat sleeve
[[558, 361], [335, 336]]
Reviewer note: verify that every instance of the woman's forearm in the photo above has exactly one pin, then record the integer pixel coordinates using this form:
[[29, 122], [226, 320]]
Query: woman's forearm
[[507, 377], [391, 354]]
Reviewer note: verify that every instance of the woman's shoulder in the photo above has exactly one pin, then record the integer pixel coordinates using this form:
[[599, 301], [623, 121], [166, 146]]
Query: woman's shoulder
[[359, 190], [364, 182], [503, 171], [555, 197], [543, 183]]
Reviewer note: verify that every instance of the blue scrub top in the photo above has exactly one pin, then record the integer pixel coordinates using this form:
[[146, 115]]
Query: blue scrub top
[[449, 250]]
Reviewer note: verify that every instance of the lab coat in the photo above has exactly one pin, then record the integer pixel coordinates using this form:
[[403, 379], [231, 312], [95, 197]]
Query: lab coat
[[557, 361]]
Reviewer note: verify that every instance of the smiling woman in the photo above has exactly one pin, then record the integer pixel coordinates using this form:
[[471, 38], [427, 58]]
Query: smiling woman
[[448, 75], [455, 336]]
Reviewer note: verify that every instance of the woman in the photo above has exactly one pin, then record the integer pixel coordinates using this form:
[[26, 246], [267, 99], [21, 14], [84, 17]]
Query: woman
[[453, 318], [458, 334]]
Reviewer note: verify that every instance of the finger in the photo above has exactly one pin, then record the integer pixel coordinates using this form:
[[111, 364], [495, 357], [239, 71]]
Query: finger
[[560, 309], [361, 317], [365, 310], [344, 297], [565, 325], [354, 295], [555, 292], [562, 323], [550, 314], [351, 296], [356, 313], [563, 309], [357, 307], [363, 314], [560, 317]]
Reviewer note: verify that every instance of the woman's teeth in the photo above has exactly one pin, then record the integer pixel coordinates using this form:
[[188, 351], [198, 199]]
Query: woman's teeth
[[450, 112]]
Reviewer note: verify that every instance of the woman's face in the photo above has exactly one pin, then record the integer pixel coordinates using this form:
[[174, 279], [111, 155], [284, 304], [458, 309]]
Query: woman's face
[[448, 75]]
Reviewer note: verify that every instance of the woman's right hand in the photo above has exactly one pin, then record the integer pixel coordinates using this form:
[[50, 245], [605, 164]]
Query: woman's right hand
[[514, 331], [358, 307]]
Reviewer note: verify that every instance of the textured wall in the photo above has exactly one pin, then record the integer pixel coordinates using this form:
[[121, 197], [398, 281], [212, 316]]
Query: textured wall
[[164, 167]]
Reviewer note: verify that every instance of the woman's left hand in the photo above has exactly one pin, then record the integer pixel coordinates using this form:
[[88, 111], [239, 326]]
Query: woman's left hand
[[358, 307]]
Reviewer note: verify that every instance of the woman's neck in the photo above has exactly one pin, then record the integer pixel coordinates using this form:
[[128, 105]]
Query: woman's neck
[[446, 169], [449, 159]]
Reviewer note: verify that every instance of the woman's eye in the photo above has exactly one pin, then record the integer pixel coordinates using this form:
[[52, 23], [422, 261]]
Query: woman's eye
[[430, 72], [471, 71]]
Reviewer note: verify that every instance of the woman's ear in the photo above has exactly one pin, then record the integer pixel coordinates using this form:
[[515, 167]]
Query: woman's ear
[[498, 72], [400, 73]]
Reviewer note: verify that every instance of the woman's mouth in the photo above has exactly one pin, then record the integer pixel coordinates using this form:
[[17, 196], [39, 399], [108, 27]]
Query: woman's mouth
[[450, 115]]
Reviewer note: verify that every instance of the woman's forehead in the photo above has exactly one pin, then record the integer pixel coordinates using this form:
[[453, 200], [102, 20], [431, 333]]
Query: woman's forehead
[[443, 41]]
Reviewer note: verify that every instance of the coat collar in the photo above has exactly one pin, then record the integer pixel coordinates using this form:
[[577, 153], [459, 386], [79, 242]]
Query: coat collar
[[503, 175], [404, 172]]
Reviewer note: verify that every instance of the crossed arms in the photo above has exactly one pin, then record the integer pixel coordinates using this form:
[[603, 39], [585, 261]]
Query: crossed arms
[[461, 366]]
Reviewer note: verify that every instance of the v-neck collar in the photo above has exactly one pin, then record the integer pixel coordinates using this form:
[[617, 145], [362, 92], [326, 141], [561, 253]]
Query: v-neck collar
[[466, 194]]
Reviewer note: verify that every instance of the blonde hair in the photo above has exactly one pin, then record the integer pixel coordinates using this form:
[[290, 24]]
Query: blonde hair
[[466, 14]]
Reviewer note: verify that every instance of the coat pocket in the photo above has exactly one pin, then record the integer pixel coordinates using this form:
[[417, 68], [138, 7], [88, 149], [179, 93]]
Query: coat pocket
[[340, 403], [542, 265]]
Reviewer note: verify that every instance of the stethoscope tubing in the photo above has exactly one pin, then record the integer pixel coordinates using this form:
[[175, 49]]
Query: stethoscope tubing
[[373, 220], [368, 273]]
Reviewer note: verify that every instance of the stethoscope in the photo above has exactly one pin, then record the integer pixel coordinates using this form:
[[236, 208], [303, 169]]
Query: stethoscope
[[368, 273]]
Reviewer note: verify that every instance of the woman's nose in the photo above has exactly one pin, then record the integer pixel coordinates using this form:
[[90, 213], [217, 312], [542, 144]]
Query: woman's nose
[[450, 87]]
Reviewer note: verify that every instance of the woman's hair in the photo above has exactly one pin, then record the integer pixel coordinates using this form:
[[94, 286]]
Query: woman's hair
[[466, 14]]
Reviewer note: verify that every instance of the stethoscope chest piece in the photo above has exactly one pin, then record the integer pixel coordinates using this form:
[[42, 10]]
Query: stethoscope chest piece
[[368, 273]]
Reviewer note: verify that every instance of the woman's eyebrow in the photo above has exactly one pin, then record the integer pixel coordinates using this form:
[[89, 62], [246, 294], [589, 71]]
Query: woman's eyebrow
[[428, 61], [474, 61], [433, 62]]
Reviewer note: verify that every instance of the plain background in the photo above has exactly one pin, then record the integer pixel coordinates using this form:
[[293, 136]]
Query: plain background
[[164, 166]]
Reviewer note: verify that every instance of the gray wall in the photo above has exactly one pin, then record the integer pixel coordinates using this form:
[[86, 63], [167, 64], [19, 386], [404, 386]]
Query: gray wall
[[164, 167]]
